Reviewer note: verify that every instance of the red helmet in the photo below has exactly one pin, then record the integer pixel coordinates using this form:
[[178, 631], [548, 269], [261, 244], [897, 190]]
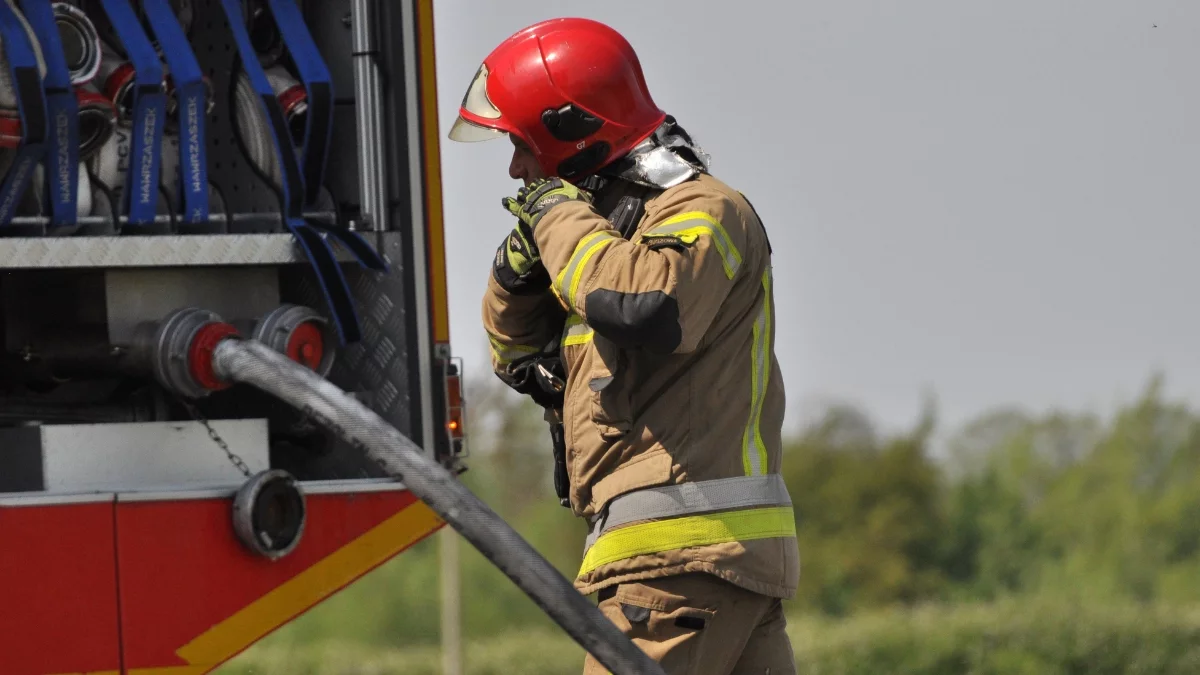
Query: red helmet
[[571, 89]]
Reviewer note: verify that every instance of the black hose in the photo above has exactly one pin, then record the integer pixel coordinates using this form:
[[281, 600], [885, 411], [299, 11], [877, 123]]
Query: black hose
[[256, 364]]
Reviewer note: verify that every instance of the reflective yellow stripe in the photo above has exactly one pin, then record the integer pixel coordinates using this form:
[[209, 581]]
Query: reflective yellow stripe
[[689, 531], [506, 354], [577, 332], [754, 451], [688, 227], [580, 339], [568, 280]]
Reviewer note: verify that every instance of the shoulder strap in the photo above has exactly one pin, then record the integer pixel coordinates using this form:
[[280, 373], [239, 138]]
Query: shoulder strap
[[625, 210]]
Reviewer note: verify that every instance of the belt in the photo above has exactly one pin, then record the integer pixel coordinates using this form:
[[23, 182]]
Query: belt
[[62, 144], [320, 255], [31, 103], [149, 110], [708, 512], [192, 94]]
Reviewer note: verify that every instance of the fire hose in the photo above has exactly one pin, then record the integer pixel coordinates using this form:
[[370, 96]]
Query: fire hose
[[253, 363]]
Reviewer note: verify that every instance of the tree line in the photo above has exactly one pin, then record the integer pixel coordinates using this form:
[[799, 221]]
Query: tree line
[[1062, 505]]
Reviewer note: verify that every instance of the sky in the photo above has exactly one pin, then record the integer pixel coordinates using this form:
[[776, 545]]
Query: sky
[[994, 202]]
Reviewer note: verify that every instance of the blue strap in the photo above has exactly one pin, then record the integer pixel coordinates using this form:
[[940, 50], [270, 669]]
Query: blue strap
[[149, 110], [316, 248], [62, 144], [31, 104], [193, 99], [318, 84]]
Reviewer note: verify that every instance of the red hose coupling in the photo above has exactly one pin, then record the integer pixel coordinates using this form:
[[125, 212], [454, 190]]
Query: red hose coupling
[[299, 332], [200, 354], [10, 129], [179, 350]]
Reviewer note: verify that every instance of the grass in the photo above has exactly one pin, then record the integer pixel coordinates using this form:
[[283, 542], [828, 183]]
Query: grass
[[1017, 637], [528, 653]]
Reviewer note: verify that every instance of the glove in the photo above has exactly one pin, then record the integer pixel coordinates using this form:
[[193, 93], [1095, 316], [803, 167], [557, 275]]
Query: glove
[[518, 265], [535, 199], [540, 376]]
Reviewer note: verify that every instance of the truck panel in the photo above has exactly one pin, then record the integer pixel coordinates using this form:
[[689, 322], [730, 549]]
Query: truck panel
[[149, 575], [58, 593]]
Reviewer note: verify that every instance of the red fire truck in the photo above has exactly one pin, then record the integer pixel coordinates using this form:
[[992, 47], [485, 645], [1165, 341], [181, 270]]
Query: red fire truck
[[118, 550]]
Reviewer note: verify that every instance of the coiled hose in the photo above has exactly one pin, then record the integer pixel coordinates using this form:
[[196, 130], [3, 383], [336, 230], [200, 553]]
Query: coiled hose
[[259, 366]]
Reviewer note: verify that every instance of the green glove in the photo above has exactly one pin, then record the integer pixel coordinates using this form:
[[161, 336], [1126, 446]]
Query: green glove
[[518, 264], [535, 199], [520, 250], [517, 267]]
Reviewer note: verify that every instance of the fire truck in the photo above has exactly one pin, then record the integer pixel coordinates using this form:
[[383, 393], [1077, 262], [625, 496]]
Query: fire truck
[[226, 384], [174, 173]]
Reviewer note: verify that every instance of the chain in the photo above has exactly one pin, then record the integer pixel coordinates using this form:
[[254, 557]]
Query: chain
[[216, 438]]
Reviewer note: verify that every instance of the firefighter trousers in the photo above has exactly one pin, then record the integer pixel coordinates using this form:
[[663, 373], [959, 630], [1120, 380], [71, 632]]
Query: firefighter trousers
[[698, 624]]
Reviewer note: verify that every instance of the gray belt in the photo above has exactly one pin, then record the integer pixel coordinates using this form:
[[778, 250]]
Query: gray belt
[[685, 499]]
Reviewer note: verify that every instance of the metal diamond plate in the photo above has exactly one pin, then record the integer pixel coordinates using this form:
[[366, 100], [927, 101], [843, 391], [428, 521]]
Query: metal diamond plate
[[379, 369], [152, 251]]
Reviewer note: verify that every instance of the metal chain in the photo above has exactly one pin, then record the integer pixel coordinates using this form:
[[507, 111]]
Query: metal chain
[[216, 438]]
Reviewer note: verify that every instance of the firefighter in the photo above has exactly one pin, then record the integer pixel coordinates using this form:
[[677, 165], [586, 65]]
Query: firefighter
[[633, 299]]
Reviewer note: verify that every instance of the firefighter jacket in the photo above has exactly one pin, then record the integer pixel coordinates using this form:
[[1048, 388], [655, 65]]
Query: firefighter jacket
[[674, 401]]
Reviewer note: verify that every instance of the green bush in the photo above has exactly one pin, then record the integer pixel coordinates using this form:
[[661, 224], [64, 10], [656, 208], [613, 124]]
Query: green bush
[[1026, 637], [1039, 637]]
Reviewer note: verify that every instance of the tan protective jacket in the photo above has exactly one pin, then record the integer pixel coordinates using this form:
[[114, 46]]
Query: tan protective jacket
[[672, 384]]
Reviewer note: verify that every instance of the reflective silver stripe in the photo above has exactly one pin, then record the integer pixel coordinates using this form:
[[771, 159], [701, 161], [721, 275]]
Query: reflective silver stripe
[[685, 499], [506, 354], [568, 279], [577, 332]]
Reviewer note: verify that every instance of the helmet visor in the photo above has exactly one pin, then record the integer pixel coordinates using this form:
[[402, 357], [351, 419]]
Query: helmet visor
[[477, 103], [466, 131]]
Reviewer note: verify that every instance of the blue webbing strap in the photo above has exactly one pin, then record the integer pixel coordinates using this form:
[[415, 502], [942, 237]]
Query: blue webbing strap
[[193, 101], [320, 255], [149, 108], [62, 144], [318, 84], [31, 104]]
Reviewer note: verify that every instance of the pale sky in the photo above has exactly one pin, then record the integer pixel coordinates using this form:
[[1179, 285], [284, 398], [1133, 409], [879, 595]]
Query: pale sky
[[996, 201]]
